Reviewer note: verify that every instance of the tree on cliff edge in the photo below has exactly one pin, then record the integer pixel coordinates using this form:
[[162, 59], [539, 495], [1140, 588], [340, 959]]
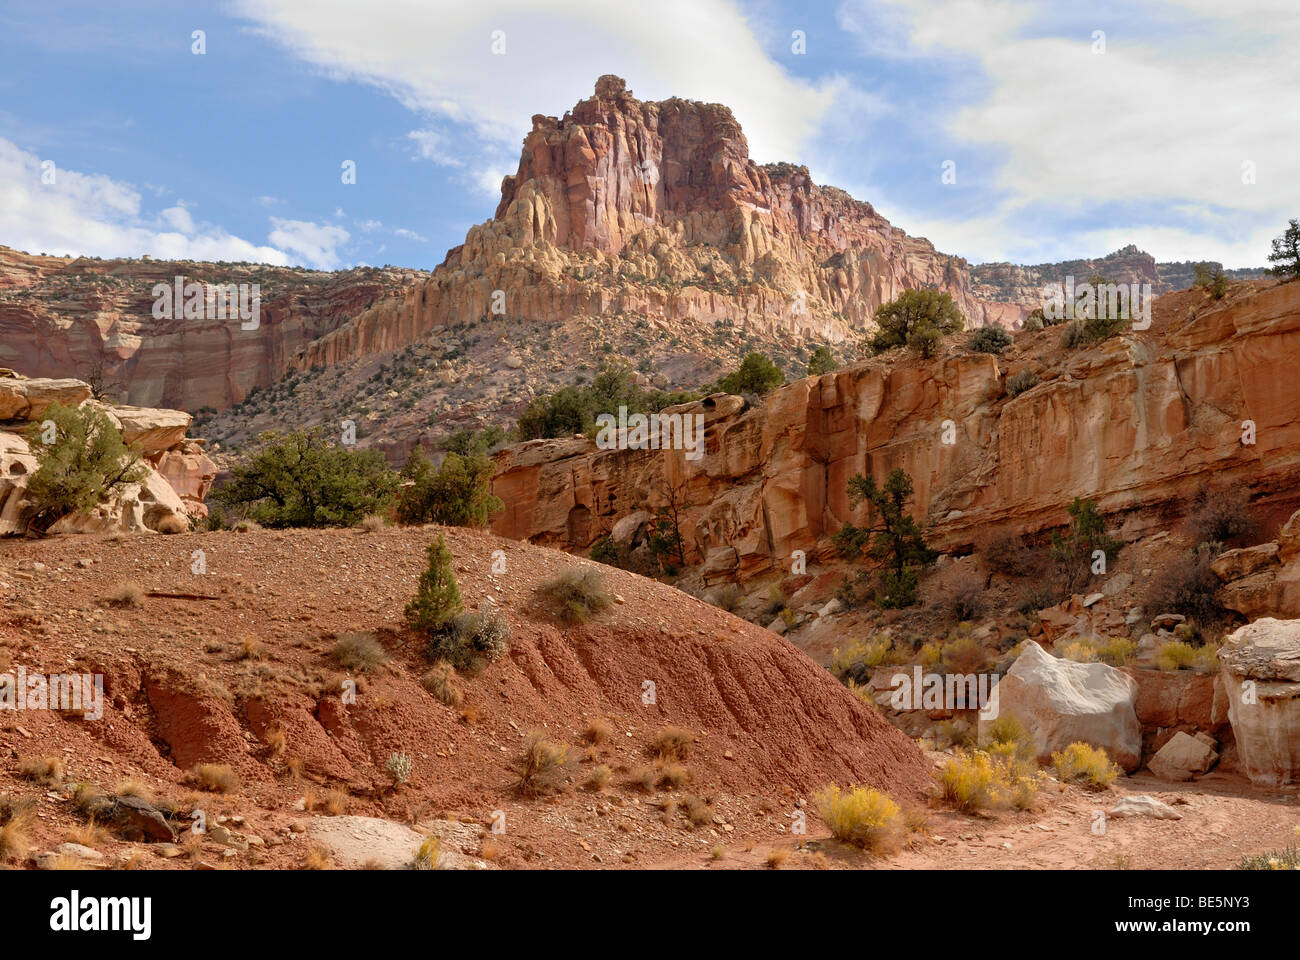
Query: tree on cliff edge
[[1286, 252], [918, 319], [891, 536]]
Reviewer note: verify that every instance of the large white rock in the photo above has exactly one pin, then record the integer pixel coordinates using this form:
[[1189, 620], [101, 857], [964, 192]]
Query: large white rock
[[1060, 702], [1260, 664]]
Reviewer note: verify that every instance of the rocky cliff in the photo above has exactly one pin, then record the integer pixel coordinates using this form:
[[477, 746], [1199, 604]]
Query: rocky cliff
[[619, 209], [1138, 422]]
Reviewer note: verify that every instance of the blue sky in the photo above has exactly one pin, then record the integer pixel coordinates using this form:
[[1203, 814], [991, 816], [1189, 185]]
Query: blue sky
[[1072, 128]]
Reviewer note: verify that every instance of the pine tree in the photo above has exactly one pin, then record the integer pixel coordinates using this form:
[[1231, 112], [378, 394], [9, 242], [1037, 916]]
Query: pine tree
[[1286, 251], [437, 598], [892, 536]]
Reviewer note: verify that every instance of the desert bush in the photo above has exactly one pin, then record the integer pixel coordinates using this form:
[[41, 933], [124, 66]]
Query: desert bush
[[577, 593], [437, 597], [358, 652], [15, 828], [87, 463], [1175, 655], [863, 654], [997, 777], [861, 816], [46, 770], [470, 640], [573, 409], [1116, 651], [989, 340], [1075, 552], [622, 555], [599, 777], [597, 731], [1007, 730], [456, 494], [1007, 555], [1222, 515], [469, 443], [756, 374], [215, 778], [300, 479], [1285, 859], [966, 596], [543, 767], [968, 781], [372, 523], [963, 653], [398, 766], [129, 595], [1019, 382], [728, 597], [892, 536], [1188, 586], [426, 856], [1083, 763], [1211, 278], [821, 362], [918, 319], [673, 776]]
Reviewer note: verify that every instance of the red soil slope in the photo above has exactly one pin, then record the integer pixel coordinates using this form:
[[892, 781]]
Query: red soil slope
[[770, 725]]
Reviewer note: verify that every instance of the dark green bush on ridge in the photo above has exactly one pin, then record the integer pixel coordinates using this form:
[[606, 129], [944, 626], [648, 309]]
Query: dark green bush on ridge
[[301, 479], [457, 494], [918, 319], [756, 374]]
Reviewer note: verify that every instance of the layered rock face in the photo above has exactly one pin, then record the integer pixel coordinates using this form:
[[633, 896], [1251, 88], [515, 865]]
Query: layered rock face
[[621, 207], [63, 317], [1261, 676], [1137, 422], [624, 205], [177, 478]]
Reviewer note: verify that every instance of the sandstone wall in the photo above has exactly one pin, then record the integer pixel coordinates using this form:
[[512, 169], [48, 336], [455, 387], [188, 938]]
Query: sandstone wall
[[1137, 422]]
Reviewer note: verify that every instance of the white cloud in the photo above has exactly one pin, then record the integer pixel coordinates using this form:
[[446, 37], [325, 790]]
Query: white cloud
[[312, 244], [409, 235], [1163, 121], [93, 215], [437, 59]]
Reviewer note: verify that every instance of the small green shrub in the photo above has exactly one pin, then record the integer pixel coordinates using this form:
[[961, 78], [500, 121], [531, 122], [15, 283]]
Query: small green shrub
[[989, 340]]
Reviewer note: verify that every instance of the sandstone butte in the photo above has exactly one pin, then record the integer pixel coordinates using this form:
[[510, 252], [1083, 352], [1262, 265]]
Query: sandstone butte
[[619, 206], [1139, 423]]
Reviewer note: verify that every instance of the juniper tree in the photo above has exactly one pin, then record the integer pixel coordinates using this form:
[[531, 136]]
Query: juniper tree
[[85, 463], [892, 536], [1286, 251]]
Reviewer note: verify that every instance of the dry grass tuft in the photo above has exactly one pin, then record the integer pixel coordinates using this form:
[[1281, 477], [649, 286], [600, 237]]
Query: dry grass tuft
[[128, 595], [215, 778], [673, 743]]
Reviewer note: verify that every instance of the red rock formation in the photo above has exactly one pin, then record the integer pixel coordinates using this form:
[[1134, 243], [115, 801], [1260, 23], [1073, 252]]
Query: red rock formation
[[1136, 422]]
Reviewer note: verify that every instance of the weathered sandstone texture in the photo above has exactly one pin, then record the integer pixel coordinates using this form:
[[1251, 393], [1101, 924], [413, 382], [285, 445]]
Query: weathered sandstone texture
[[1261, 677]]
